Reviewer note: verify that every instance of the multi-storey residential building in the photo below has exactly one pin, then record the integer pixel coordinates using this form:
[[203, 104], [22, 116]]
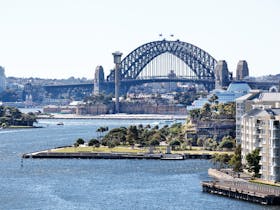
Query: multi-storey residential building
[[243, 105], [260, 128], [254, 99]]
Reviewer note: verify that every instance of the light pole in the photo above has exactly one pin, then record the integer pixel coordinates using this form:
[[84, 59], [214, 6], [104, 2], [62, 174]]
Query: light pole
[[117, 61]]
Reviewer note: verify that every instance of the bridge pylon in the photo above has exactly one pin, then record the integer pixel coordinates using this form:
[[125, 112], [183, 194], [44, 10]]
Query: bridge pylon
[[242, 70], [222, 77]]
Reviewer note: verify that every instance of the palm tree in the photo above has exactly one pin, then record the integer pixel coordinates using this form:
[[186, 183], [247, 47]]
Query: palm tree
[[189, 143], [213, 98], [102, 130]]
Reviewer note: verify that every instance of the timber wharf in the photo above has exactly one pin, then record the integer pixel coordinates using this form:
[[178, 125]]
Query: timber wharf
[[257, 193]]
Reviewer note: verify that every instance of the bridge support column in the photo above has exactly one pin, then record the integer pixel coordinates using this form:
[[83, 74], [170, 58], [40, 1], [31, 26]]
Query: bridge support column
[[117, 60], [209, 86]]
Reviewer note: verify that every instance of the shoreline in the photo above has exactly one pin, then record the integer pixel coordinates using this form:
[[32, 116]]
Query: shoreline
[[121, 116], [13, 127], [112, 155]]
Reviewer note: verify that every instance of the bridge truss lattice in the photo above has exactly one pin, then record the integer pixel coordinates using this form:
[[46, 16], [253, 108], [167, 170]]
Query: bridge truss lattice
[[199, 61]]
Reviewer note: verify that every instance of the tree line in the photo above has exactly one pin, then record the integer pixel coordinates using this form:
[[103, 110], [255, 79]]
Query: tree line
[[11, 116], [235, 161], [213, 110]]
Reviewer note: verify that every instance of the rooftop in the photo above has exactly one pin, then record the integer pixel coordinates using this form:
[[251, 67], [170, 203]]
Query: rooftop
[[249, 96], [270, 96], [263, 112], [242, 87]]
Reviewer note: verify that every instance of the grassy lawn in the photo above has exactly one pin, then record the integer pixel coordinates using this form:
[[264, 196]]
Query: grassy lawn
[[19, 127], [120, 149], [199, 152], [258, 181], [99, 149]]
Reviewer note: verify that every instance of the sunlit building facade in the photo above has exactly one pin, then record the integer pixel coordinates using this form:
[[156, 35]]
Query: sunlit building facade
[[2, 79]]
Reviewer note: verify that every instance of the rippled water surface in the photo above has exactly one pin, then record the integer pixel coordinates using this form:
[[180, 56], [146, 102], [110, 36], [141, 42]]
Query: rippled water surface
[[98, 184]]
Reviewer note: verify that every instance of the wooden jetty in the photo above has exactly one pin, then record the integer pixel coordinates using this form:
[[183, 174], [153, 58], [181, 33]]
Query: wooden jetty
[[263, 194]]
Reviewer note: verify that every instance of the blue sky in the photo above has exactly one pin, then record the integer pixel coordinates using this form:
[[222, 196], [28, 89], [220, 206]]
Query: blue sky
[[63, 38]]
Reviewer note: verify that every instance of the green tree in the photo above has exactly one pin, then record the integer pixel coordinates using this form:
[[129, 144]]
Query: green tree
[[227, 142], [156, 127], [175, 143], [101, 130], [133, 131], [206, 111], [221, 159], [189, 142], [210, 144], [140, 126], [116, 134], [148, 126], [175, 129], [94, 142], [154, 142], [200, 142], [132, 135], [195, 114], [235, 161], [99, 99], [213, 98], [80, 141], [253, 160], [158, 136], [13, 116], [164, 131]]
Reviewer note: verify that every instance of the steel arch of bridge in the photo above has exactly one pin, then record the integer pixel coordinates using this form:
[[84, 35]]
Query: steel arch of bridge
[[199, 61]]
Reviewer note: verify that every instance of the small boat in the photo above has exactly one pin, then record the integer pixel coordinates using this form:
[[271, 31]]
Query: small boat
[[60, 123], [170, 121], [172, 157]]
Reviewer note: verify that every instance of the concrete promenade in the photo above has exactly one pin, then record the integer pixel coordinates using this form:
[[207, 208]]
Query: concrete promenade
[[50, 154]]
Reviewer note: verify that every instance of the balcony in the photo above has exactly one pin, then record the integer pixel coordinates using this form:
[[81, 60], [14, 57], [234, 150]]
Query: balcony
[[276, 145], [273, 155], [276, 164]]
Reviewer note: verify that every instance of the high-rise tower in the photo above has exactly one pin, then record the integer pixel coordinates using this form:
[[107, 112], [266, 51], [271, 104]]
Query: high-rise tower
[[117, 60]]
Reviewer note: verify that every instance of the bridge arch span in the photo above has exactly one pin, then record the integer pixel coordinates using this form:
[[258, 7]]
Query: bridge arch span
[[199, 61]]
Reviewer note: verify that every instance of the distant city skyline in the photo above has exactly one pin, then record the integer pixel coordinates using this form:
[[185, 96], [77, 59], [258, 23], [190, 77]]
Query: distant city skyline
[[60, 39]]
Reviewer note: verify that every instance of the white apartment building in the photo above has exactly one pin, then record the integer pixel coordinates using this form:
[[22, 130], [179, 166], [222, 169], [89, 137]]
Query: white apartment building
[[2, 79], [260, 128], [254, 99]]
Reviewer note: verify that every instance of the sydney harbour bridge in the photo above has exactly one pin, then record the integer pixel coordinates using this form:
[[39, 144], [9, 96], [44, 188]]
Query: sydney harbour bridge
[[158, 61]]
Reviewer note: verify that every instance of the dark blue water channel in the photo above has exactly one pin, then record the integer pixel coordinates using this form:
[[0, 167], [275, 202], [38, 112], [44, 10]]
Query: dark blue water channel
[[98, 184]]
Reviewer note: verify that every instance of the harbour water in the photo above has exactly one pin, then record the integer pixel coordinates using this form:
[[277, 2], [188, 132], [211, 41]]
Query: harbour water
[[98, 184]]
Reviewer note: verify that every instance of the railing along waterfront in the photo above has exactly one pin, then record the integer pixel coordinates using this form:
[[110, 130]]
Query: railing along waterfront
[[251, 187]]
